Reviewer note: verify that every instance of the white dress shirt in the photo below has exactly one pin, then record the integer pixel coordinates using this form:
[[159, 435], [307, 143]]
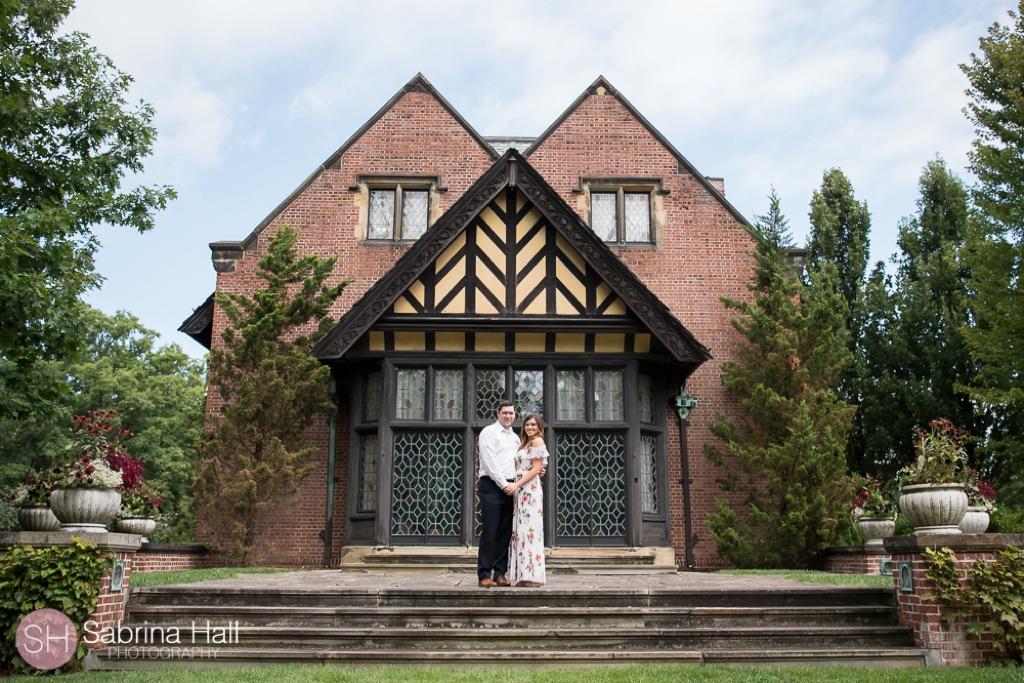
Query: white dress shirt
[[498, 448]]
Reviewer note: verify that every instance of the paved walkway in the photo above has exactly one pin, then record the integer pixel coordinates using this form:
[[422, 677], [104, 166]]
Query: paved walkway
[[320, 580]]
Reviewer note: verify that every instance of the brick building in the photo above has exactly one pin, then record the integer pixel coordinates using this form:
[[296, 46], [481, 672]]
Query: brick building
[[577, 273]]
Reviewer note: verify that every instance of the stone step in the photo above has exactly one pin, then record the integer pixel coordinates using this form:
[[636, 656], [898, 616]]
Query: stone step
[[514, 617], [209, 596], [461, 559], [124, 659], [597, 638]]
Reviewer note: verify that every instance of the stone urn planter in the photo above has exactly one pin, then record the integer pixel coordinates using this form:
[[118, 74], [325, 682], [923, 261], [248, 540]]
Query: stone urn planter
[[975, 520], [934, 508], [85, 510], [874, 529], [142, 526], [37, 517]]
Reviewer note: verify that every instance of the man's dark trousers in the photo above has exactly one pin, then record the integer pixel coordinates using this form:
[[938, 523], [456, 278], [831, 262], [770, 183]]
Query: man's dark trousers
[[496, 510]]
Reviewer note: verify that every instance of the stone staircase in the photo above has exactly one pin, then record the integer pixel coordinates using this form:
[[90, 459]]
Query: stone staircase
[[462, 560], [551, 626]]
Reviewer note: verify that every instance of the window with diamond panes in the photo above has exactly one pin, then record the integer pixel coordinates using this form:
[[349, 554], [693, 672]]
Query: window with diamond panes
[[381, 215], [371, 401], [490, 391], [410, 394], [368, 454], [621, 217], [603, 216], [637, 215], [608, 396], [414, 213], [448, 390], [649, 474], [646, 391], [571, 396], [529, 392]]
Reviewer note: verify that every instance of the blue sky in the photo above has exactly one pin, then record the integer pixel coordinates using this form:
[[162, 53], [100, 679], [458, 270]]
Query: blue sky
[[252, 96]]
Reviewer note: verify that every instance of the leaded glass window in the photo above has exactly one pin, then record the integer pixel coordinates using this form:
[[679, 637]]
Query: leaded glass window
[[571, 397], [649, 474], [591, 500], [410, 390], [427, 488], [603, 218], [529, 392], [490, 391], [608, 403], [448, 390], [371, 402], [637, 216], [414, 213], [382, 215], [646, 398], [368, 453]]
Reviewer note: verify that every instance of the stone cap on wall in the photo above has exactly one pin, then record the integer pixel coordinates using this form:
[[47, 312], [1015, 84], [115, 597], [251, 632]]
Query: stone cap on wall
[[856, 550], [119, 543], [958, 543]]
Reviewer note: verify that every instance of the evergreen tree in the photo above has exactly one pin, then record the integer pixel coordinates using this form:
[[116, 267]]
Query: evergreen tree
[[916, 356], [996, 249], [254, 452], [786, 455], [839, 244]]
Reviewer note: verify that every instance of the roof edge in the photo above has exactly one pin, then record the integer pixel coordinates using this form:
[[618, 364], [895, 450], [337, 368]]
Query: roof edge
[[602, 82]]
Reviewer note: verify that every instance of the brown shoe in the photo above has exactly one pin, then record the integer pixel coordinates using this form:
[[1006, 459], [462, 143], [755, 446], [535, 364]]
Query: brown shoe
[[500, 580], [529, 584], [488, 583]]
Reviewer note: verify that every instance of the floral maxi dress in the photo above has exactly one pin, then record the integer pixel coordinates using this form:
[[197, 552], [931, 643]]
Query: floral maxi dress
[[526, 554]]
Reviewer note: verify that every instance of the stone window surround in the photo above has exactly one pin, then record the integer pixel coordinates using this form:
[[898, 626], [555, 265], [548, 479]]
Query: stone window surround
[[621, 185], [365, 183]]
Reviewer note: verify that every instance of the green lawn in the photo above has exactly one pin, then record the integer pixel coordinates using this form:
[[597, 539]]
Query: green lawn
[[808, 576], [630, 674], [195, 575]]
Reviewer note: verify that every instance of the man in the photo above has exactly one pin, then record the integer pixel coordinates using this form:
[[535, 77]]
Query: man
[[498, 445]]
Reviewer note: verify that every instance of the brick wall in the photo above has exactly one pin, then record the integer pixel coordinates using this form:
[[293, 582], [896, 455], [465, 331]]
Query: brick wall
[[951, 640], [701, 254], [856, 559]]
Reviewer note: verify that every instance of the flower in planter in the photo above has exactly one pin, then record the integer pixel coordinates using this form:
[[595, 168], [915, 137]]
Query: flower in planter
[[873, 501], [143, 501], [979, 491], [35, 491], [84, 462], [941, 458]]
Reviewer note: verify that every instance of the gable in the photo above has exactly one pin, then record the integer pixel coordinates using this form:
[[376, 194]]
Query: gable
[[458, 263], [509, 261], [602, 88]]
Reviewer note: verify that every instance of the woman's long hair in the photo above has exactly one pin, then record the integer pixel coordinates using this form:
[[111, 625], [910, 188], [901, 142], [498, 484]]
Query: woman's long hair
[[524, 440]]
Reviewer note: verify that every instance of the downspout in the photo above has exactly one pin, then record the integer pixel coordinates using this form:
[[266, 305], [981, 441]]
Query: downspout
[[328, 533], [684, 403]]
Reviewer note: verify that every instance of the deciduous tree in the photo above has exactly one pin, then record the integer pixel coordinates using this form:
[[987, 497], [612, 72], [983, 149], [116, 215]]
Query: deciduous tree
[[68, 138]]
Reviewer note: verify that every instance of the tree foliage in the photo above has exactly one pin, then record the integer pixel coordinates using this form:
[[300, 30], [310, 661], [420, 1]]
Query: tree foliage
[[786, 454], [68, 137], [916, 358], [254, 452], [158, 391], [996, 248]]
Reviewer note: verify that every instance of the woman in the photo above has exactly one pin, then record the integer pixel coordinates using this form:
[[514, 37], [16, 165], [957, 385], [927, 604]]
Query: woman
[[526, 553]]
